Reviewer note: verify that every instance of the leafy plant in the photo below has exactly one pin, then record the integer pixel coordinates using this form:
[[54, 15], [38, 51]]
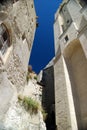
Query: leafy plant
[[35, 77], [30, 104]]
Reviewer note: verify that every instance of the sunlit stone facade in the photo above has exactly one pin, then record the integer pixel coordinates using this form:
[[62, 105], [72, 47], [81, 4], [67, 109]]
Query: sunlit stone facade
[[17, 29], [70, 65]]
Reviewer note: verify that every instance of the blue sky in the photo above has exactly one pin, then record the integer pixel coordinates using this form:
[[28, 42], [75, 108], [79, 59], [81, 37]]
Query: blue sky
[[43, 46]]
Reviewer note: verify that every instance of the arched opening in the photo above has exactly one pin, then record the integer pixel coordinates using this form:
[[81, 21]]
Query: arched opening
[[77, 69], [4, 38]]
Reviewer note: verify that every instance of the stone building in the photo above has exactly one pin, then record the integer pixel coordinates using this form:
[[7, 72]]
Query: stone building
[[70, 65], [48, 87], [46, 79], [17, 28]]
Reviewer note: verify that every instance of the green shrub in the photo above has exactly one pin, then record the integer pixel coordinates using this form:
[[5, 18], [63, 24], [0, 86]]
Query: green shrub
[[35, 77], [30, 104]]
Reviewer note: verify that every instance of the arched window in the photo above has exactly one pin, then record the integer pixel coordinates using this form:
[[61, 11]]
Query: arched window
[[4, 38]]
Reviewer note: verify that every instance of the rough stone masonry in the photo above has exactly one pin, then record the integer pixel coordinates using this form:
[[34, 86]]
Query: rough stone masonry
[[17, 29]]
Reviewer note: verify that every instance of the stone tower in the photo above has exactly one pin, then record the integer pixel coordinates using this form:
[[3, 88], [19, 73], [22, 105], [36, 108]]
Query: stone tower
[[17, 28], [70, 65]]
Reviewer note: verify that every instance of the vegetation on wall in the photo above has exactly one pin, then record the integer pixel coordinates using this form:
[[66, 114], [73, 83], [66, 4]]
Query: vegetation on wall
[[28, 77], [31, 105], [35, 77], [28, 73], [31, 74]]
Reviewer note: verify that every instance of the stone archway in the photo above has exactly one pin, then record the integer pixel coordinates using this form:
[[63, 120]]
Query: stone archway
[[77, 68]]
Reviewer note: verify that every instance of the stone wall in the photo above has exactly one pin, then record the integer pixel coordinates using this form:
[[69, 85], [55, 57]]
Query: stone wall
[[77, 70], [48, 98], [64, 105], [23, 29], [20, 20], [70, 67], [48, 95], [18, 117]]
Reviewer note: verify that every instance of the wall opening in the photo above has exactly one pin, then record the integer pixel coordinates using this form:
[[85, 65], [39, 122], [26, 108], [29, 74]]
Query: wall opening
[[4, 38], [77, 69], [66, 38]]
